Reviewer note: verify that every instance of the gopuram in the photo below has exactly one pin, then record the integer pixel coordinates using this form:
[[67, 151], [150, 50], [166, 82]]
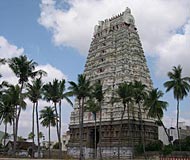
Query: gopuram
[[115, 56]]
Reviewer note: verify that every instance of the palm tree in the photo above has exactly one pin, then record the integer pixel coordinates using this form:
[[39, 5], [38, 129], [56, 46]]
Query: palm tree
[[62, 95], [34, 94], [48, 119], [97, 93], [51, 93], [155, 107], [31, 135], [41, 135], [81, 91], [139, 95], [6, 112], [23, 69], [125, 93], [14, 99], [180, 86], [55, 92], [93, 107]]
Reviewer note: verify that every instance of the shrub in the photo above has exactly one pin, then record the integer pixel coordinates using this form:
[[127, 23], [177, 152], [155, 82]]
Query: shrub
[[167, 149], [56, 145], [154, 146]]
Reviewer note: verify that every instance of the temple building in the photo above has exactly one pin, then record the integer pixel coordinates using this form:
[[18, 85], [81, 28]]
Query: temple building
[[115, 56]]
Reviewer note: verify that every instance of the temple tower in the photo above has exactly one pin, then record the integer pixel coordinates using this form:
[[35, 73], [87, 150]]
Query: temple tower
[[115, 56]]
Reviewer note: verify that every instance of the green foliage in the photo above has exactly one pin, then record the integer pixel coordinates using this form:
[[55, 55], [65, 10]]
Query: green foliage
[[56, 145], [167, 149], [31, 135], [154, 146], [47, 117], [139, 148], [185, 144]]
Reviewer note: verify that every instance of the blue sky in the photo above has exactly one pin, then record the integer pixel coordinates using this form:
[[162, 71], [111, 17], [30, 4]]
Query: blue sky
[[57, 35]]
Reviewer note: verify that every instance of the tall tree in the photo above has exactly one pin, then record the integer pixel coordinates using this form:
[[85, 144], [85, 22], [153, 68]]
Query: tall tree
[[48, 119], [139, 95], [97, 93], [180, 86], [81, 90], [125, 93], [62, 96], [34, 92], [23, 69], [93, 107], [13, 96], [55, 92], [6, 112], [156, 107]]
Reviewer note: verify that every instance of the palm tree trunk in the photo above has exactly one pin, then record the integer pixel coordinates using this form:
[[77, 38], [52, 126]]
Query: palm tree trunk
[[57, 124], [100, 132], [60, 145], [38, 129], [178, 133], [14, 132], [18, 116], [81, 129], [5, 136], [19, 110], [129, 127], [121, 125], [95, 151], [142, 130], [49, 143], [33, 130]]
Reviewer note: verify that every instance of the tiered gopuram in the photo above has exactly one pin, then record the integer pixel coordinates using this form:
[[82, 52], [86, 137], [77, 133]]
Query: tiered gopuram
[[115, 56]]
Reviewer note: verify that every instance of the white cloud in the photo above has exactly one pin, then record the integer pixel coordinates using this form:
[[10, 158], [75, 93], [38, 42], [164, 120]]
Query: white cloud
[[157, 23], [52, 73], [8, 50], [175, 51], [163, 26]]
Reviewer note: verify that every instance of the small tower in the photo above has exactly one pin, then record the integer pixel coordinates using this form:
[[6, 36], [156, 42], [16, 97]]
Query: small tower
[[115, 56]]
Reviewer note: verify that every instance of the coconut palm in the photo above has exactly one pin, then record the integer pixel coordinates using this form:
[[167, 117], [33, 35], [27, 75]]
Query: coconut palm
[[139, 95], [156, 107], [81, 90], [6, 112], [48, 118], [31, 135], [180, 86], [97, 93], [125, 93], [34, 92], [13, 96], [41, 135], [51, 93], [23, 69], [62, 96], [55, 92], [93, 107]]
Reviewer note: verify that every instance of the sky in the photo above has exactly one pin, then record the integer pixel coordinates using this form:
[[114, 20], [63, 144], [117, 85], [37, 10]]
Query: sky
[[57, 34]]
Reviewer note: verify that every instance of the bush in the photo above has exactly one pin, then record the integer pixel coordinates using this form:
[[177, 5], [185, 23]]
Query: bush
[[185, 144], [56, 145], [139, 148], [167, 149], [154, 146]]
